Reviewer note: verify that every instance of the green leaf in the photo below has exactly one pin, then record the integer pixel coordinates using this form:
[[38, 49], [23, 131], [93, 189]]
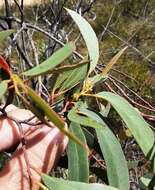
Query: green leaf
[[89, 37], [74, 116], [53, 61], [78, 167], [46, 109], [115, 161], [69, 79], [53, 116], [3, 88], [68, 67], [60, 184], [112, 153], [74, 78], [5, 34], [42, 109], [134, 121]]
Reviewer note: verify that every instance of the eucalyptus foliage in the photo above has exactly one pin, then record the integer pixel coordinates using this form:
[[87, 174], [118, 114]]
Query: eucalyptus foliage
[[80, 82]]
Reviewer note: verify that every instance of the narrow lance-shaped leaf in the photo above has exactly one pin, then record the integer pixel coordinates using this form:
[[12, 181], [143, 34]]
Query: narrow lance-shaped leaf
[[74, 78], [89, 36], [45, 109], [5, 34], [112, 153], [60, 184], [134, 121], [68, 67], [112, 62], [53, 61], [3, 88], [78, 167], [69, 79], [53, 117]]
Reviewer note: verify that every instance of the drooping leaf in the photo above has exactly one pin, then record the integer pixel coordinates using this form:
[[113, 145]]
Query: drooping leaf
[[53, 61], [89, 36], [112, 153], [5, 34], [3, 88], [78, 167], [134, 121], [114, 158], [60, 184]]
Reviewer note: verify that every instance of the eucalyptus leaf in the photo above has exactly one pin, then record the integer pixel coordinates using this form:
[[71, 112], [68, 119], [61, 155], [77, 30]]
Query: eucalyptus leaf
[[112, 153], [78, 166], [89, 36], [74, 116], [53, 61], [53, 116], [43, 110], [60, 184], [68, 67], [69, 79], [134, 121]]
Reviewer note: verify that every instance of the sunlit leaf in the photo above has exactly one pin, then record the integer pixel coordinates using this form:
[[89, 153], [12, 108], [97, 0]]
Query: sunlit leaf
[[53, 61], [60, 184], [78, 167], [134, 121], [5, 34], [89, 37], [3, 88]]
